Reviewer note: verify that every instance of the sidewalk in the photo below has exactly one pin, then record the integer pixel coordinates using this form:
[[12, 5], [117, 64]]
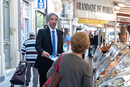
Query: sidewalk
[[8, 77], [10, 72]]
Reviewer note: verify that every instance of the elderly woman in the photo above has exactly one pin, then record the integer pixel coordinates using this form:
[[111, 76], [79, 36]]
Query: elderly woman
[[74, 69]]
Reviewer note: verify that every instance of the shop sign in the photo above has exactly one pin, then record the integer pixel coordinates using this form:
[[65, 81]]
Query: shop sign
[[94, 9], [41, 4]]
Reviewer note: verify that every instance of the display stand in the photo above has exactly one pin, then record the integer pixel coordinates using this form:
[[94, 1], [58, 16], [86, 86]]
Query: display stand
[[98, 55], [113, 74], [104, 62]]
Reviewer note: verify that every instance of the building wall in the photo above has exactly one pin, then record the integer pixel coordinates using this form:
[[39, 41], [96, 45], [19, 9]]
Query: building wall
[[50, 4], [27, 22], [14, 52], [2, 59], [67, 17], [35, 12]]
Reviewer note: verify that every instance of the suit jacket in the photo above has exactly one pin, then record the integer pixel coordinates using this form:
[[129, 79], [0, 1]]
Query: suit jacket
[[43, 42]]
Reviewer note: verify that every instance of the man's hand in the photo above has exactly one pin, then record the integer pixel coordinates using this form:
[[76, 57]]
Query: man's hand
[[46, 54]]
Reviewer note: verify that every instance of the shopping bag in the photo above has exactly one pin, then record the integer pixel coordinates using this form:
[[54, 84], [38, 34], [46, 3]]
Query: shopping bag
[[19, 75], [55, 78]]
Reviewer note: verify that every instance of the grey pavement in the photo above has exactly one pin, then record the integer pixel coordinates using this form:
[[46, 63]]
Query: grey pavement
[[10, 72]]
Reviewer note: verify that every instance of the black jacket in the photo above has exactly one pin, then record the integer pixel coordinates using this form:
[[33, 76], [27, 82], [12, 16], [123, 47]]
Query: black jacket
[[43, 42]]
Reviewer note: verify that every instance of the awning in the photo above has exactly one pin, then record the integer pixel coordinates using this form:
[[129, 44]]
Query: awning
[[91, 21]]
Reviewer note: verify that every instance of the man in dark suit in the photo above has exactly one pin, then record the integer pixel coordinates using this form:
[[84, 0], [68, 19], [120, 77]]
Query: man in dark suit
[[48, 43]]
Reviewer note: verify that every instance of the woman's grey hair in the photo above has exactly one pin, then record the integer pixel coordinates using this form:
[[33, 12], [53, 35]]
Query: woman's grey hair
[[51, 14]]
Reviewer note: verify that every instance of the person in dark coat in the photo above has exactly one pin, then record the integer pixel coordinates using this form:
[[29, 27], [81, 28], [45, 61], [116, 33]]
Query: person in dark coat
[[47, 44], [91, 43]]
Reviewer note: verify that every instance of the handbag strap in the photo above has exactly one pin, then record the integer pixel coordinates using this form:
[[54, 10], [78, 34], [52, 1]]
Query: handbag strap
[[57, 67]]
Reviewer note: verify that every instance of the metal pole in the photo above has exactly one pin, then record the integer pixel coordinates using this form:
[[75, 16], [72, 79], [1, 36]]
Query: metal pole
[[36, 21], [63, 25], [70, 26], [105, 33], [19, 25], [115, 32], [46, 11], [98, 37]]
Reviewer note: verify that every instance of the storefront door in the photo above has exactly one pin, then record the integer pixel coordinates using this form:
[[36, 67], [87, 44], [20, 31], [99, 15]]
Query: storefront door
[[6, 32]]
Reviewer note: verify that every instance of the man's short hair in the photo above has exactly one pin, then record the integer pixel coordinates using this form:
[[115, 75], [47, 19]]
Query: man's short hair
[[50, 14]]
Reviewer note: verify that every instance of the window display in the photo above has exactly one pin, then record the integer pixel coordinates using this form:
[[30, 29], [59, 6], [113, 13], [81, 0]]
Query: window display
[[107, 59]]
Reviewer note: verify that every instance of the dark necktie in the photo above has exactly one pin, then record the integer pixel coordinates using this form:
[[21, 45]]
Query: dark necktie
[[53, 40]]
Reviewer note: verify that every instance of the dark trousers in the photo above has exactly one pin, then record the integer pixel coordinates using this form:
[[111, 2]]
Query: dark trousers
[[28, 74], [90, 52], [42, 77]]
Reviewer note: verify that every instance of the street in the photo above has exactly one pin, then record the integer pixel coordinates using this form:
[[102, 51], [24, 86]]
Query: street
[[11, 71]]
